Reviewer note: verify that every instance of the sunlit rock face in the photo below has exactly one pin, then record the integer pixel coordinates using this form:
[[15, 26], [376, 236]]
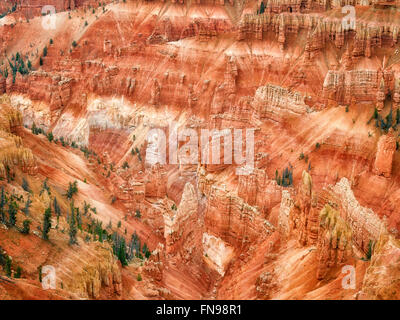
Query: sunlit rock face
[[217, 252], [130, 219], [384, 156]]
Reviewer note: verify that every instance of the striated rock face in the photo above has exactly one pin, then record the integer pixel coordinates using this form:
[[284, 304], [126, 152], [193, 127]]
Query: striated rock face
[[265, 284], [177, 221], [233, 220], [155, 182], [155, 93], [332, 219], [285, 25], [384, 155], [12, 152], [217, 252], [334, 241], [361, 85], [154, 266], [3, 87], [273, 102], [285, 208], [366, 226], [257, 190], [304, 215], [35, 7], [290, 71], [381, 280], [88, 280]]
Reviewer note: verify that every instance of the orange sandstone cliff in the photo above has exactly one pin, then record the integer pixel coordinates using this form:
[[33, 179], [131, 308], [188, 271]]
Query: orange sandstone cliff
[[89, 209]]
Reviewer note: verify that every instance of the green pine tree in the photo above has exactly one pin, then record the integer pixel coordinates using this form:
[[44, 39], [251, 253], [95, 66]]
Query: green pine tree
[[262, 7], [7, 267], [45, 187], [72, 189], [18, 272], [57, 209], [26, 209], [72, 226], [26, 226], [46, 224], [3, 202], [78, 219], [25, 185], [12, 213], [40, 273], [122, 253], [50, 137]]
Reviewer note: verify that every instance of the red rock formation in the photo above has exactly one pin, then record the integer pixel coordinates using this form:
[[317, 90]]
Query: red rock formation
[[155, 264], [234, 221], [384, 155], [256, 190], [264, 285], [304, 216], [396, 95], [381, 281], [30, 8], [129, 72], [273, 102], [155, 182], [3, 87], [334, 241], [180, 224], [12, 151], [155, 93], [365, 224], [363, 85]]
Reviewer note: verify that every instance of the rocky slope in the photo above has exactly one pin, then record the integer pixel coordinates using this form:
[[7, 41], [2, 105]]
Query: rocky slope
[[317, 218]]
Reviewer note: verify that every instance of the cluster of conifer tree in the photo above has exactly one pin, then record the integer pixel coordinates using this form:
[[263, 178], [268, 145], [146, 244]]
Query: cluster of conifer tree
[[385, 123], [16, 64], [13, 8], [127, 253], [286, 179]]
